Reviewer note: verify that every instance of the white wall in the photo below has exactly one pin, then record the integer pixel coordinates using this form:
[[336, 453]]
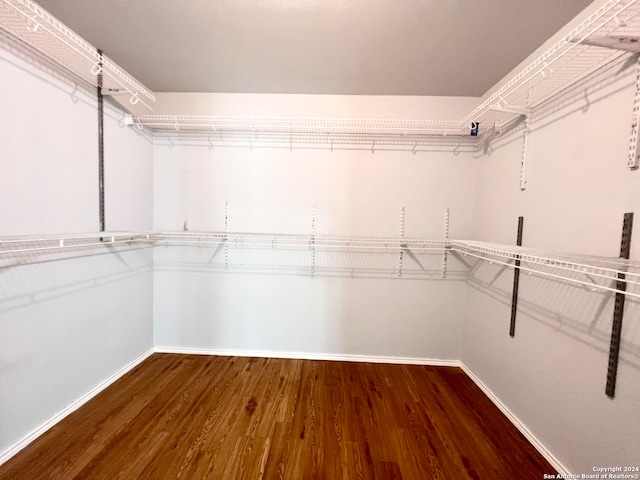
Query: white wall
[[67, 322], [274, 190], [552, 375]]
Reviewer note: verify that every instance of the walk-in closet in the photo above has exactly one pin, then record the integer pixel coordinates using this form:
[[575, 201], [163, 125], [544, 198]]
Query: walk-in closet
[[319, 239]]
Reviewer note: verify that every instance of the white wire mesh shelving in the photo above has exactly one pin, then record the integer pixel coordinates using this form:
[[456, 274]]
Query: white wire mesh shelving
[[595, 273], [574, 57], [347, 254], [303, 126], [564, 64], [310, 254], [12, 246], [209, 130], [304, 242], [33, 25], [570, 60]]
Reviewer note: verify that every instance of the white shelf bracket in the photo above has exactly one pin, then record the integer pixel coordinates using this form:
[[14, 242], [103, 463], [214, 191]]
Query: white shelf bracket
[[632, 162], [523, 153], [226, 235], [127, 121], [511, 109], [446, 243], [401, 245], [313, 239], [485, 142]]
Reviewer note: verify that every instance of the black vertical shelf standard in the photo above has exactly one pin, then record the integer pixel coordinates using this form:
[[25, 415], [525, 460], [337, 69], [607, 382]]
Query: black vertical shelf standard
[[618, 309], [516, 281], [100, 144]]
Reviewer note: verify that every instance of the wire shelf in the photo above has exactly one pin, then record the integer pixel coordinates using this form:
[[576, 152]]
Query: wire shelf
[[567, 62], [339, 253], [11, 246], [300, 126], [278, 241], [33, 25], [563, 65], [411, 143], [593, 272]]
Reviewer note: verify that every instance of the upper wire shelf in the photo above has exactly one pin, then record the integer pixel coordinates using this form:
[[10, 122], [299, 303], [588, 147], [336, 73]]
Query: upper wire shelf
[[573, 58], [331, 126], [33, 25]]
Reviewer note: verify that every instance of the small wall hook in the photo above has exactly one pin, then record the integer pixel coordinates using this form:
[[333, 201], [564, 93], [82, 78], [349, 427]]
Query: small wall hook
[[134, 98], [414, 149], [96, 69]]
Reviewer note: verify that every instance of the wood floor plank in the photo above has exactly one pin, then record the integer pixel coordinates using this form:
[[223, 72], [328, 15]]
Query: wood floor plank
[[196, 417]]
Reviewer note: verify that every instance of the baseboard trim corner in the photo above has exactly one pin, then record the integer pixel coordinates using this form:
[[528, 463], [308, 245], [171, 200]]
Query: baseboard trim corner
[[31, 436], [538, 445], [308, 356]]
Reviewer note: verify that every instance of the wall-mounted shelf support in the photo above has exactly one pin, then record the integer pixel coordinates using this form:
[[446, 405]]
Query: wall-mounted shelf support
[[402, 246], [618, 310], [516, 281], [634, 151], [313, 239], [523, 155], [100, 100], [446, 241], [226, 231]]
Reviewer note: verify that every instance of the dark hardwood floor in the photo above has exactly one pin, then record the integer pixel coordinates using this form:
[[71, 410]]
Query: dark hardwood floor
[[196, 417]]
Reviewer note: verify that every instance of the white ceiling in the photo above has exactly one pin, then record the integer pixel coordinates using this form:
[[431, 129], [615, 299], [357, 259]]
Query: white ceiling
[[360, 47]]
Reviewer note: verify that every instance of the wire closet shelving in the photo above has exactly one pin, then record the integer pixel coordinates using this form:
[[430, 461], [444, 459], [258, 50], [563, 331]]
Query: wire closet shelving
[[389, 256], [606, 34], [33, 25], [600, 39]]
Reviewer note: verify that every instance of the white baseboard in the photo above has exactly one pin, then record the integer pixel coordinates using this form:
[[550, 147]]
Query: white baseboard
[[12, 450], [516, 422], [309, 356]]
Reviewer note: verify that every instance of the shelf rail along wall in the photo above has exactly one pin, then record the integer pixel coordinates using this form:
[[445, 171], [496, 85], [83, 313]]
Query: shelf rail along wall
[[100, 145], [516, 281], [618, 310]]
